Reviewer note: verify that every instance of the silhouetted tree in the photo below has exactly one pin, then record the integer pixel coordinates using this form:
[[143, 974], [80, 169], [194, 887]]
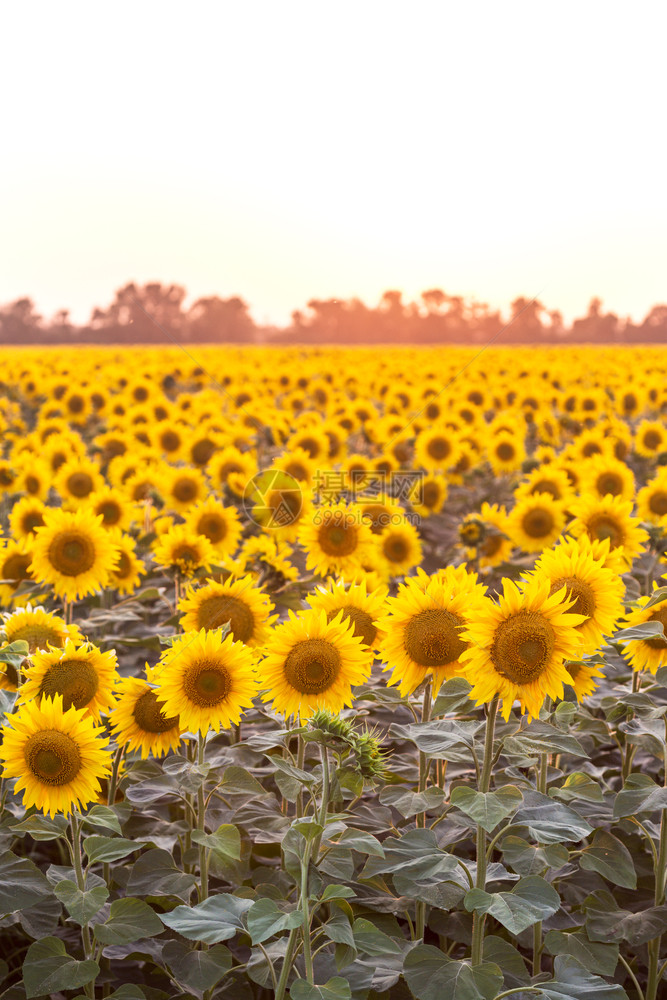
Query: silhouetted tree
[[19, 323], [219, 320]]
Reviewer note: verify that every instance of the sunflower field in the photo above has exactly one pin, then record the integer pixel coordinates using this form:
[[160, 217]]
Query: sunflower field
[[333, 674]]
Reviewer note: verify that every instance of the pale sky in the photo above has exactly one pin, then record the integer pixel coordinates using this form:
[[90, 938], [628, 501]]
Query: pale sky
[[289, 150]]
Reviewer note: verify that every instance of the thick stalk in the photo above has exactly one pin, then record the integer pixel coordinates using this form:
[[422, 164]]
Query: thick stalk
[[653, 978], [201, 824], [420, 819], [300, 757], [542, 776], [287, 964], [478, 919], [77, 860], [305, 909]]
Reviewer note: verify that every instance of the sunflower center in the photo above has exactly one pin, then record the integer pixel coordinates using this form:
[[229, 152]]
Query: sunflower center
[[659, 641], [582, 592], [32, 484], [170, 441], [573, 670], [438, 448], [52, 756], [378, 516], [71, 553], [297, 470], [75, 404], [110, 511], [658, 503], [202, 452], [311, 446], [337, 536], [522, 647], [432, 638], [505, 451], [395, 549], [207, 683], [184, 554], [652, 440], [15, 567], [430, 494], [123, 568], [609, 482], [538, 523], [546, 486], [75, 680], [213, 526], [361, 621], [37, 636], [148, 716], [32, 521], [491, 545], [80, 484], [312, 666], [185, 490], [226, 470], [215, 611], [602, 526]]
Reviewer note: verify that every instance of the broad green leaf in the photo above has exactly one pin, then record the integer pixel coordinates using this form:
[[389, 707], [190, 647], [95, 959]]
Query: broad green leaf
[[155, 874], [48, 968], [81, 906], [593, 955], [225, 841], [609, 856], [334, 989], [529, 859], [265, 918], [443, 739], [572, 982], [487, 809], [578, 785], [334, 891], [645, 630], [127, 993], [110, 848], [531, 900], [409, 803], [542, 737], [197, 970], [509, 958], [639, 794], [216, 919], [657, 597], [42, 827], [359, 840], [431, 975], [14, 653], [372, 941], [607, 923], [452, 696], [103, 816], [129, 920], [551, 822], [21, 883], [646, 733]]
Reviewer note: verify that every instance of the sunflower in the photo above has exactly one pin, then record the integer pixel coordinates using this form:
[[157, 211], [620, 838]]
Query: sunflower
[[583, 677], [15, 559], [237, 603], [26, 516], [423, 628], [380, 511], [220, 524], [81, 674], [652, 500], [138, 719], [8, 477], [505, 452], [609, 518], [437, 448], [39, 628], [605, 476], [35, 480], [183, 487], [313, 663], [206, 680], [76, 479], [265, 554], [546, 479], [650, 438], [597, 591], [113, 507], [129, 570], [182, 549], [73, 552], [495, 546], [336, 539], [400, 547], [297, 463], [518, 647], [647, 654], [536, 522], [231, 468], [360, 606], [428, 495]]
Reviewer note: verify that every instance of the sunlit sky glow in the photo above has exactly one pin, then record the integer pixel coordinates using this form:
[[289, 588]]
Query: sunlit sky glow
[[295, 150]]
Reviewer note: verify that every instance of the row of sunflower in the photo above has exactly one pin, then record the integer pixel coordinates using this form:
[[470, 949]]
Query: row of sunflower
[[296, 534]]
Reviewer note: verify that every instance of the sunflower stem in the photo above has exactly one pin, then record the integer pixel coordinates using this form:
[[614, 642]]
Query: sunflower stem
[[478, 919], [300, 757], [653, 978], [420, 819], [75, 829], [201, 822], [307, 950], [542, 780]]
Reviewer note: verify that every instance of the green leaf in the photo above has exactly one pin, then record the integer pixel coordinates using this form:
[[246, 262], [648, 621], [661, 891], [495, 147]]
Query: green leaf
[[21, 883], [531, 900], [103, 816], [42, 827], [372, 941], [608, 856], [572, 982], [110, 848], [528, 859], [197, 970], [444, 739], [218, 918], [129, 920], [430, 975], [657, 597], [593, 955], [359, 840], [488, 809], [645, 630], [81, 906], [237, 779], [409, 803], [639, 794], [335, 891], [225, 841], [265, 918], [14, 653], [155, 874], [452, 696], [48, 969], [578, 785], [334, 989], [127, 993], [542, 737], [551, 822]]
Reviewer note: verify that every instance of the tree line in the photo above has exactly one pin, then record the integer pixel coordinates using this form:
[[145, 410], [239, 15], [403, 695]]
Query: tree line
[[155, 313]]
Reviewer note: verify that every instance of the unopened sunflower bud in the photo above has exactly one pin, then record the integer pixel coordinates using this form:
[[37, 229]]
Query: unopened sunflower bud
[[332, 725], [370, 759]]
